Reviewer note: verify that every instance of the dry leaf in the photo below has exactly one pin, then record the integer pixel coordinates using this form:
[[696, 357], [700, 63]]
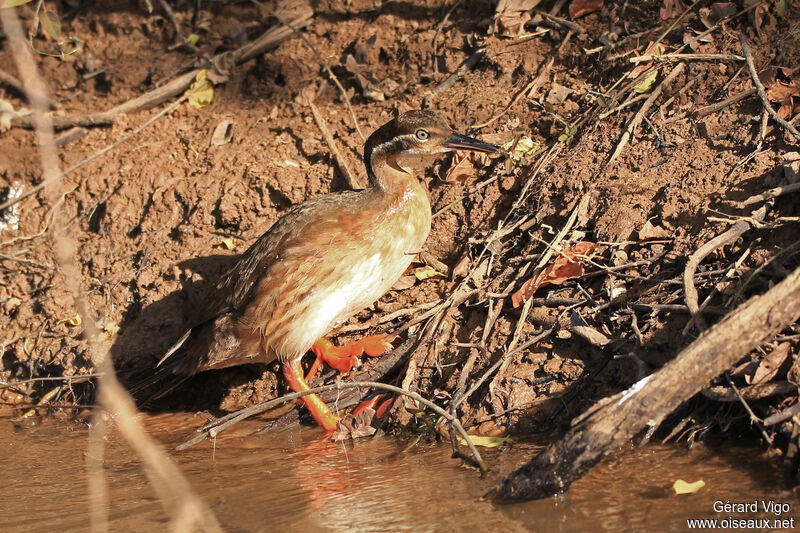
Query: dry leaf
[[13, 3], [672, 7], [683, 487], [647, 82], [223, 133], [521, 150], [579, 8], [718, 11], [229, 243], [462, 267], [205, 94], [653, 49], [464, 166], [772, 362], [782, 88], [511, 15], [566, 266], [649, 231], [51, 25], [111, 329], [405, 282], [73, 320], [427, 271], [486, 442]]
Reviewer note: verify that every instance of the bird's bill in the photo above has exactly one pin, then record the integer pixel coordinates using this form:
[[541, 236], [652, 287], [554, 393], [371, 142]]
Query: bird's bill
[[456, 141]]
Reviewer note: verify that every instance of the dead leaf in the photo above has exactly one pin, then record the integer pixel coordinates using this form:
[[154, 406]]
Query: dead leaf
[[229, 243], [649, 231], [520, 150], [111, 329], [486, 442], [672, 7], [510, 16], [353, 427], [566, 266], [405, 282], [427, 271], [647, 82], [683, 487], [223, 133], [769, 366], [653, 49], [73, 320], [465, 165], [718, 11], [462, 267], [204, 94], [579, 327], [51, 24], [579, 8]]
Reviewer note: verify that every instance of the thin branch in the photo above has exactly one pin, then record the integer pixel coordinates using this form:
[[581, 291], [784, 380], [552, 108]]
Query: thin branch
[[762, 93], [212, 430]]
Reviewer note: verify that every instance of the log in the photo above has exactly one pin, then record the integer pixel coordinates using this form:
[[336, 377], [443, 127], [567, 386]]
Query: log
[[613, 421]]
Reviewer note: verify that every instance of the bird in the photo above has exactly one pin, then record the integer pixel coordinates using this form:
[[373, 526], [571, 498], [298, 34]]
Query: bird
[[318, 264]]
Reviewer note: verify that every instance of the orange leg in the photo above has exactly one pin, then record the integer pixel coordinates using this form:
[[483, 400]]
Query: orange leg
[[343, 358], [293, 371]]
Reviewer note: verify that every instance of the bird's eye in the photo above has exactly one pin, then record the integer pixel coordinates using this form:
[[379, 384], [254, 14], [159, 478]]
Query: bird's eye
[[422, 135]]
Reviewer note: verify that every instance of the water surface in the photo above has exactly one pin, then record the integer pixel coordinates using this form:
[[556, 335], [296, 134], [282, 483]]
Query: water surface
[[294, 480]]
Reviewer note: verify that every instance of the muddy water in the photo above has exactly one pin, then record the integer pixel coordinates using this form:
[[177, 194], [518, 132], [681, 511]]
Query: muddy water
[[295, 481]]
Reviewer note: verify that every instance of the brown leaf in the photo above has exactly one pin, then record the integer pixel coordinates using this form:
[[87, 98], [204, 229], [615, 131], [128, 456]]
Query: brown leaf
[[405, 282], [649, 231], [566, 266], [778, 82], [790, 107], [511, 15], [768, 367], [672, 7], [579, 8], [465, 165]]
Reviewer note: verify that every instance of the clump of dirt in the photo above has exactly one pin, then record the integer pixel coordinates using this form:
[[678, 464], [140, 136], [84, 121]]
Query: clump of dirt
[[163, 215]]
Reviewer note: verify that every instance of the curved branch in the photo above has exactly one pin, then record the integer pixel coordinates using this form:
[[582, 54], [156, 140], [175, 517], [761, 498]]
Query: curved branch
[[216, 427]]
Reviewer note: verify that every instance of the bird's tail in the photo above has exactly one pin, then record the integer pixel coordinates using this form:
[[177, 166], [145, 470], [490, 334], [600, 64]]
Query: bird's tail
[[168, 373]]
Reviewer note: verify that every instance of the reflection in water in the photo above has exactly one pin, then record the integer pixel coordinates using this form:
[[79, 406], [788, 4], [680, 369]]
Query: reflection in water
[[298, 481]]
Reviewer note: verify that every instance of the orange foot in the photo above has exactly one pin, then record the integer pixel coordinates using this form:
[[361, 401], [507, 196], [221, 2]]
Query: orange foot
[[293, 371], [344, 358]]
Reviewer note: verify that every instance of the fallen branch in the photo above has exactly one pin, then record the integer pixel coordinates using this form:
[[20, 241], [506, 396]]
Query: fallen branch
[[639, 116], [762, 93], [613, 421], [728, 237], [772, 193], [351, 179], [212, 430]]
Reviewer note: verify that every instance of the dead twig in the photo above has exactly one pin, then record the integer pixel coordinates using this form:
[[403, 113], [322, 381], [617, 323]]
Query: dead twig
[[351, 179], [679, 57], [771, 193], [639, 116], [728, 237], [613, 421], [470, 63], [175, 491], [534, 84], [69, 121], [434, 44], [751, 392], [762, 93], [212, 430], [291, 25]]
